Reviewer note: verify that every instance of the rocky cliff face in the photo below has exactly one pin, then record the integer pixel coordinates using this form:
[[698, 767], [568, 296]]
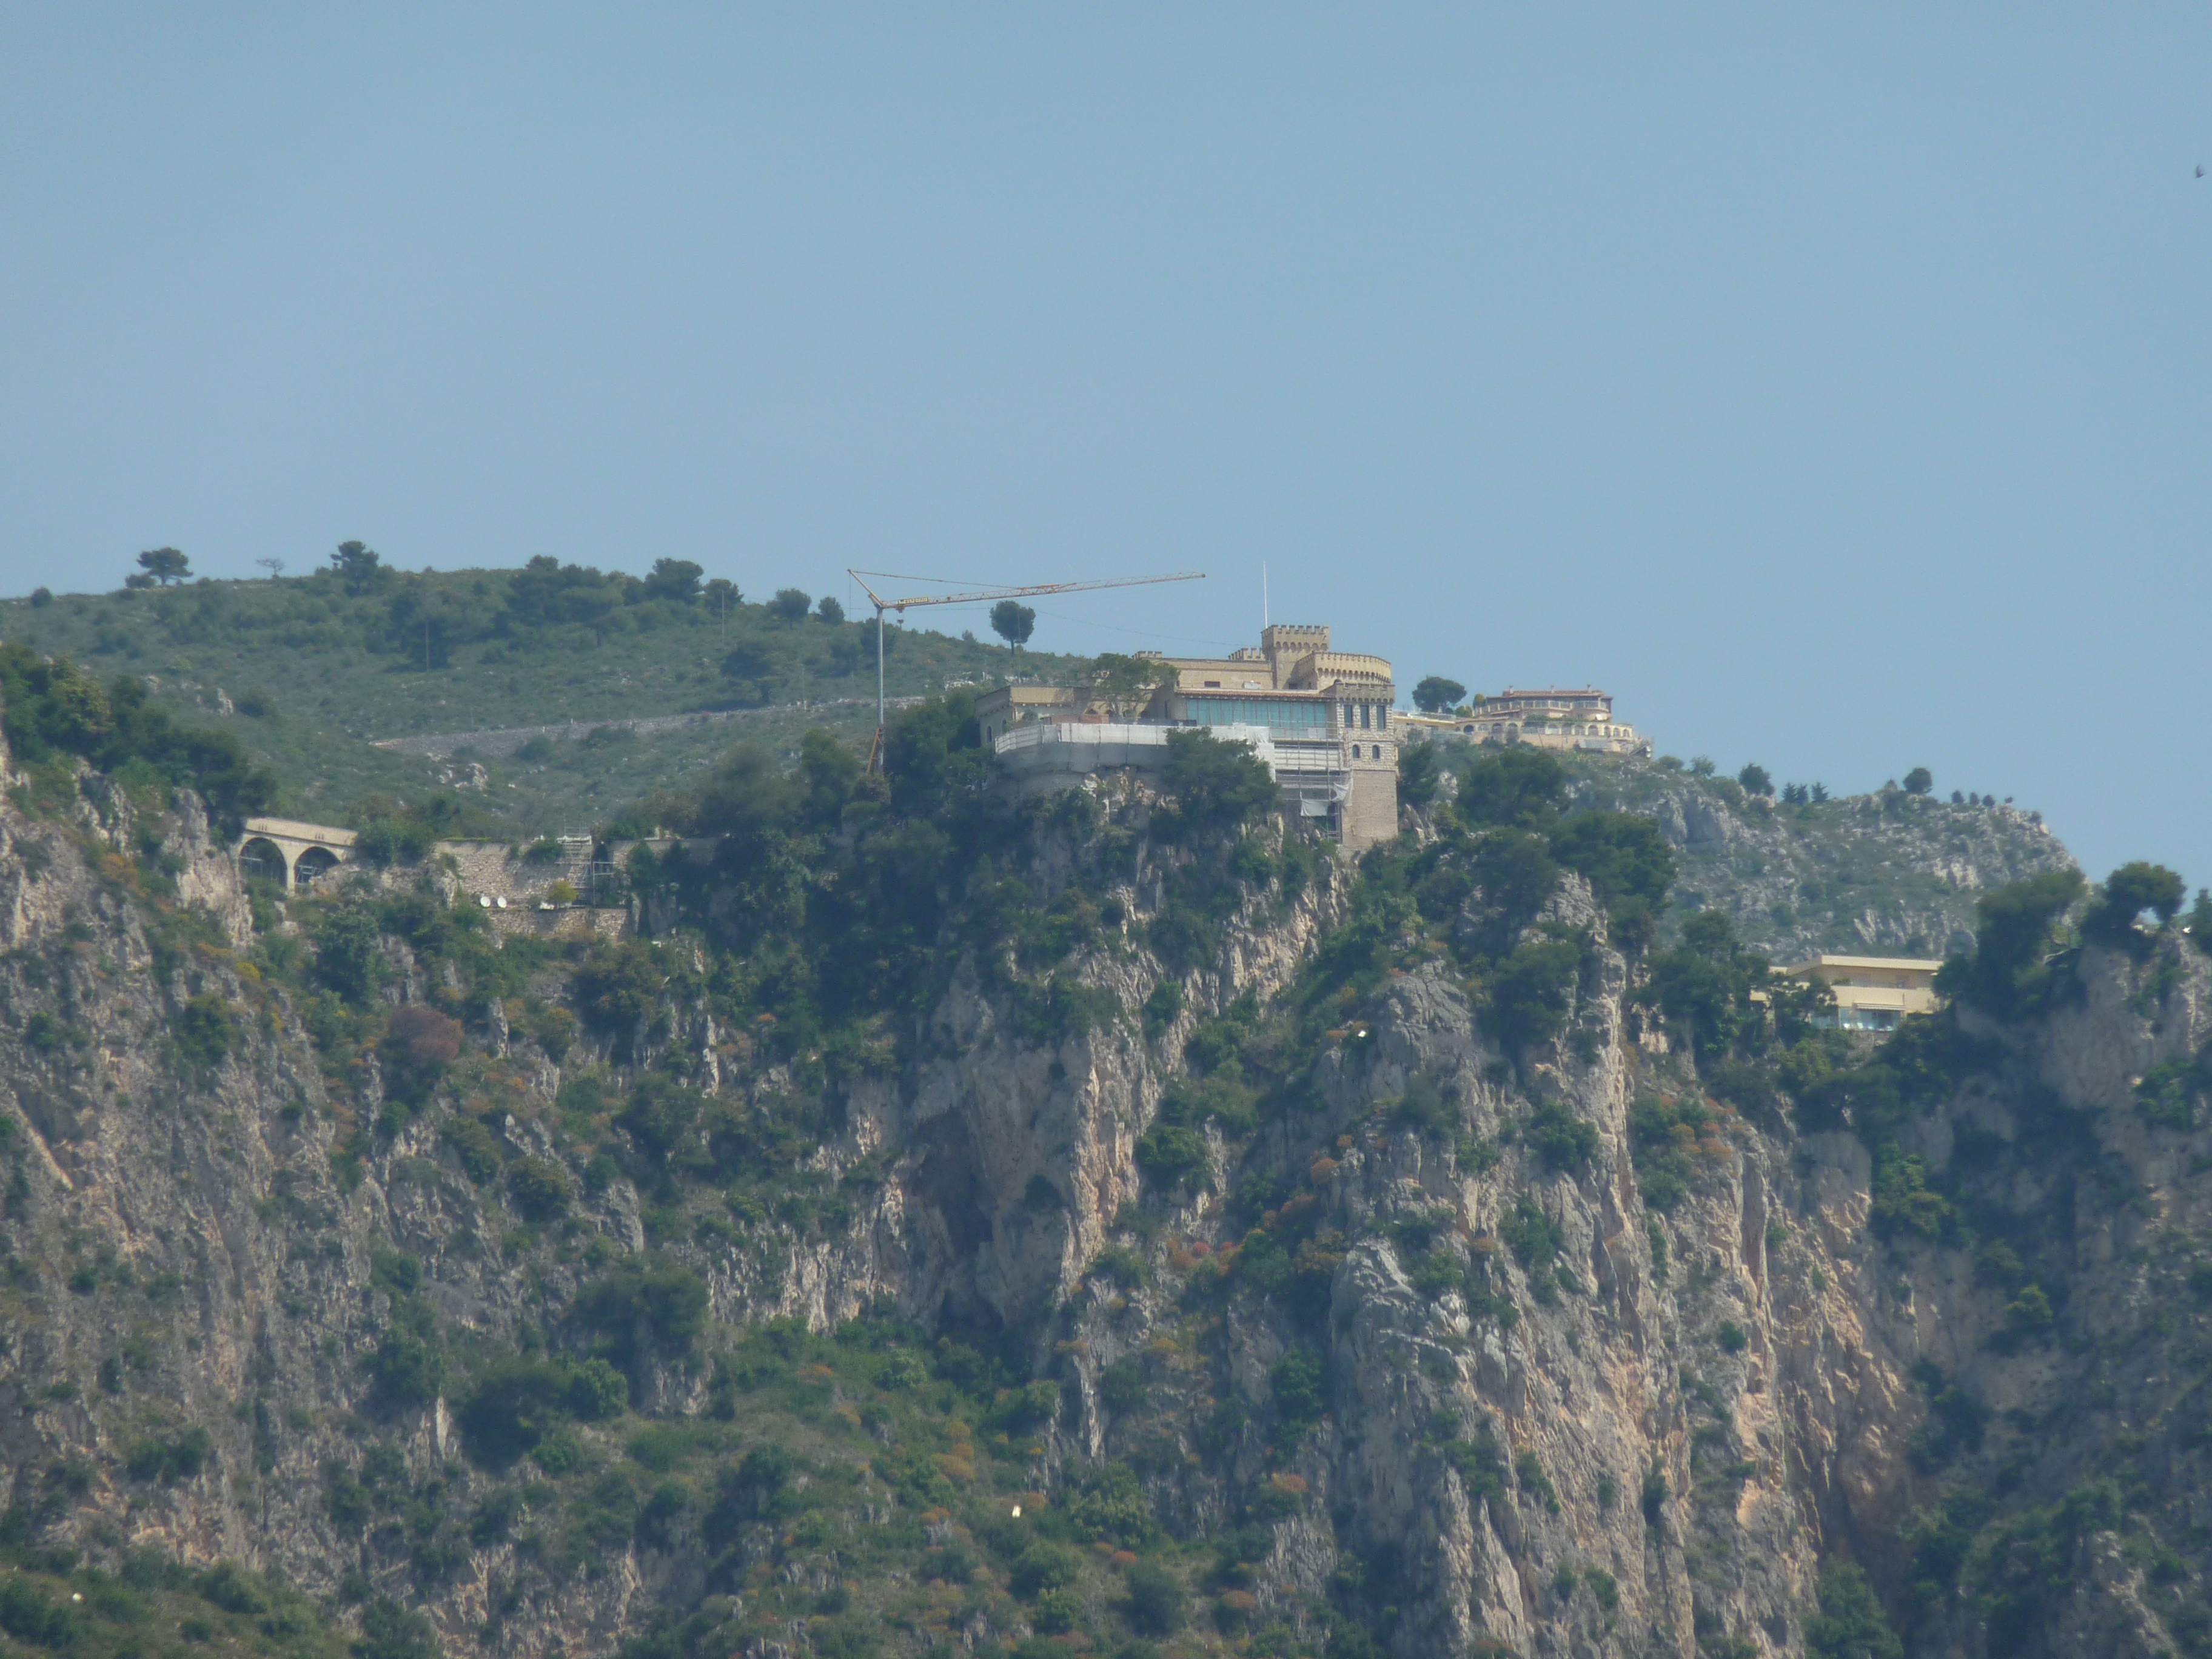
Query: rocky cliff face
[[1885, 874], [1442, 1350]]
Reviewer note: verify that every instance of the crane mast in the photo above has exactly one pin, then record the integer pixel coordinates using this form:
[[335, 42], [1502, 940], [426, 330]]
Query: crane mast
[[975, 597]]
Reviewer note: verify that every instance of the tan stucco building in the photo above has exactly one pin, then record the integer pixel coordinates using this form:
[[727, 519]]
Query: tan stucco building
[[1581, 719], [1872, 993], [1321, 719]]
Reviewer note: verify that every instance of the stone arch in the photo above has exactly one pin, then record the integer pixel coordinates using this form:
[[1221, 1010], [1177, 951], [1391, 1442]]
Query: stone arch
[[313, 864], [263, 858]]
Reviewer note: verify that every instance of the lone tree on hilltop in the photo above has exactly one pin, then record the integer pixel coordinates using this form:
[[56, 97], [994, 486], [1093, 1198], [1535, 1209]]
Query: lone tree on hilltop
[[790, 606], [357, 567], [674, 578], [830, 610], [1013, 622], [1755, 780], [165, 565], [1435, 693], [1919, 781]]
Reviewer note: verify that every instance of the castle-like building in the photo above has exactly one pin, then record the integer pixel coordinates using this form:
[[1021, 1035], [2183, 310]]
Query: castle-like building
[[1321, 721]]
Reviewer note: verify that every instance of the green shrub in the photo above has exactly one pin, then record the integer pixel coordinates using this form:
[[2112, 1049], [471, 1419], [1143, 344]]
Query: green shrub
[[1123, 1265], [1164, 1005], [1664, 1137], [1216, 785], [1903, 1201], [389, 1631], [2009, 972], [643, 1307], [28, 1614], [1851, 1624], [618, 986], [408, 1368], [540, 1189], [348, 952], [474, 1146], [1532, 993], [1534, 1238], [1156, 1601], [1173, 1155], [180, 1457], [1056, 1612], [206, 1032], [1704, 985], [1110, 1505], [1566, 1143], [1042, 1566], [1299, 1386], [1529, 1474], [510, 1406], [597, 1391], [1480, 1464], [389, 840]]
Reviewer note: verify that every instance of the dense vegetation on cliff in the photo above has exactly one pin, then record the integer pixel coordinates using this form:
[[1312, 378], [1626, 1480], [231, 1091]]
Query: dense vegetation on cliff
[[1093, 1225]]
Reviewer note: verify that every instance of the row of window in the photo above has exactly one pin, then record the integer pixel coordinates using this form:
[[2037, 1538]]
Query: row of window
[[1257, 711]]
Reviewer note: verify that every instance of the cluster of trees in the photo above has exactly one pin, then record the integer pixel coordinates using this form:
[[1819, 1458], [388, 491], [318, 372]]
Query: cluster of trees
[[53, 709], [1502, 844], [424, 618], [1758, 781], [847, 895]]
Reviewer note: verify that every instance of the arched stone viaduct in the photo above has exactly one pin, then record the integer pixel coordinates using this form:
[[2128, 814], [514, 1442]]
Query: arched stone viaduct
[[292, 853]]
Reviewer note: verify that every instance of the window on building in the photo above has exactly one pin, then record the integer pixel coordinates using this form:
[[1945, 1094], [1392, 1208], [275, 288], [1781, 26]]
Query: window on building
[[1258, 711], [1366, 717]]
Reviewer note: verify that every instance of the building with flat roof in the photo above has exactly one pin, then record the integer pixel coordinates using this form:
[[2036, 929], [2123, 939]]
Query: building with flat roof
[[1872, 993], [1581, 719], [1321, 721]]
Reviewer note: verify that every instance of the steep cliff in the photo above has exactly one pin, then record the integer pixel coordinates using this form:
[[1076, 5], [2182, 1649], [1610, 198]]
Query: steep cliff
[[1151, 1229]]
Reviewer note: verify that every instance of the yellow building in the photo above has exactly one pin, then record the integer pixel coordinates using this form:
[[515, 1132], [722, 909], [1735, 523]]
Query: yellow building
[[1321, 719], [1580, 718], [1872, 993]]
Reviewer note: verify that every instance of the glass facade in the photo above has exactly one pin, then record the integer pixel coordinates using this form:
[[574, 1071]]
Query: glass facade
[[1258, 711]]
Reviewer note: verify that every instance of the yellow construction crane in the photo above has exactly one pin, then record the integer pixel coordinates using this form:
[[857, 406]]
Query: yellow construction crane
[[978, 596]]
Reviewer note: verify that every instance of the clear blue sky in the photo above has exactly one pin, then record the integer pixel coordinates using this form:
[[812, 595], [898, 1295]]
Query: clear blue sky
[[1831, 386]]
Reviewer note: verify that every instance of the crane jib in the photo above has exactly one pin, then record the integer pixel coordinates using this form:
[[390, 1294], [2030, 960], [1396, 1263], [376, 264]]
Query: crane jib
[[973, 597]]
